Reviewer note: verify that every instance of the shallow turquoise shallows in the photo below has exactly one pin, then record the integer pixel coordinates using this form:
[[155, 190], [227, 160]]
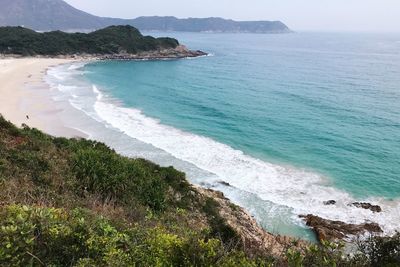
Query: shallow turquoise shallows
[[288, 120]]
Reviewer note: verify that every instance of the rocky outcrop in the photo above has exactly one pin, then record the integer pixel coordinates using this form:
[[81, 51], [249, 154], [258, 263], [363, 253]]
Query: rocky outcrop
[[254, 238], [173, 53], [336, 230], [367, 206], [166, 54]]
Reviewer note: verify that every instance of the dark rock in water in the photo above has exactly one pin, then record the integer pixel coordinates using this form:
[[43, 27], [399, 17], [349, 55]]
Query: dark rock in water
[[224, 183], [336, 230], [330, 202], [367, 206]]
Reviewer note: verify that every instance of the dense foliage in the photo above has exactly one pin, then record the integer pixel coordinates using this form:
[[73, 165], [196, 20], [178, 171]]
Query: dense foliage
[[110, 40], [56, 237], [74, 202]]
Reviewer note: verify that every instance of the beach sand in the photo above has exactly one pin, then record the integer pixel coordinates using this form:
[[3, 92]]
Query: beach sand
[[25, 97]]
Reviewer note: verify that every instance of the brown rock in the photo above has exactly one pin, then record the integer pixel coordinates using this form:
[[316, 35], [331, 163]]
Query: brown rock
[[367, 206], [254, 237], [224, 183], [336, 230], [330, 202]]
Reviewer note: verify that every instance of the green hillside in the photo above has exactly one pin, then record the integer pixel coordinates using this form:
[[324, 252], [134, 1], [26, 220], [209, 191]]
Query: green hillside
[[78, 203], [107, 41]]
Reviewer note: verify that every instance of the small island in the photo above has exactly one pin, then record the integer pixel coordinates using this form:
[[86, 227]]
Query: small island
[[113, 42]]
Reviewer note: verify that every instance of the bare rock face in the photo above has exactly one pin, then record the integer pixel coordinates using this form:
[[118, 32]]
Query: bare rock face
[[328, 230], [367, 206], [254, 238]]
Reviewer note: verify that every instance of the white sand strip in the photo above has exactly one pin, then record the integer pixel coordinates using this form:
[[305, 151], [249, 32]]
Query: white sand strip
[[23, 95]]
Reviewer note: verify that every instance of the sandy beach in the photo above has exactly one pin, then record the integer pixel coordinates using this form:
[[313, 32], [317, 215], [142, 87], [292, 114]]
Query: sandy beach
[[24, 95]]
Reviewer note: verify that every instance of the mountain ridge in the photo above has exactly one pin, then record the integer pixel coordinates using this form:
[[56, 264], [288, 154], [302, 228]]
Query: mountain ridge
[[47, 15]]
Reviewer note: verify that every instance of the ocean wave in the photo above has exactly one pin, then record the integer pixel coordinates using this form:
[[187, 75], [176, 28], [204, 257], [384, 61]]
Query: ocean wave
[[99, 95], [302, 191], [76, 66]]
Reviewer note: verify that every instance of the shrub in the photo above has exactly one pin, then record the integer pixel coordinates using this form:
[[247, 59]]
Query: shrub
[[47, 236], [380, 251], [218, 225]]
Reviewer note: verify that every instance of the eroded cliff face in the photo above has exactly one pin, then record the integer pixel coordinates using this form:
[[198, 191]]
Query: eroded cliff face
[[254, 238]]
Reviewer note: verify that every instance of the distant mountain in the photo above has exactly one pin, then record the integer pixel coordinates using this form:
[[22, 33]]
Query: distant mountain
[[45, 15], [207, 25]]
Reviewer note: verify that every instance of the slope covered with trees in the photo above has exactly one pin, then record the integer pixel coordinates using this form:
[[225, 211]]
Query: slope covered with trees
[[110, 40]]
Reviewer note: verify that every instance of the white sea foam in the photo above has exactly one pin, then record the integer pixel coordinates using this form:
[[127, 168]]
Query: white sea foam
[[77, 66], [65, 88], [302, 191], [99, 95], [59, 73]]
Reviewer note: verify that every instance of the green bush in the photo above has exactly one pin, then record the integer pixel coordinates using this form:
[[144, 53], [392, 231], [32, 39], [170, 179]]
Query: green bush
[[54, 237], [380, 251], [114, 177], [218, 225]]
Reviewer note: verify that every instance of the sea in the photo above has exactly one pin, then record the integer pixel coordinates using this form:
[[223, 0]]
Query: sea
[[280, 123]]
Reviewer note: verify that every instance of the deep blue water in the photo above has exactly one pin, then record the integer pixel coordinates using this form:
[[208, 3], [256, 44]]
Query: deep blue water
[[321, 109]]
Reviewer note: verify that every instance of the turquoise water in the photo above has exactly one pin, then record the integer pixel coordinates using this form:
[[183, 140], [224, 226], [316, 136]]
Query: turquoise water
[[290, 120], [330, 103]]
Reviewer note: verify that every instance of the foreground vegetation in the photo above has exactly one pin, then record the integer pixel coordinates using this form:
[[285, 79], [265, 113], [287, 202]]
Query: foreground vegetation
[[74, 202], [107, 41]]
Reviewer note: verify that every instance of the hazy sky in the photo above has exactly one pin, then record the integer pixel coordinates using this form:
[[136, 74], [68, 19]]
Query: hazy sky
[[318, 15]]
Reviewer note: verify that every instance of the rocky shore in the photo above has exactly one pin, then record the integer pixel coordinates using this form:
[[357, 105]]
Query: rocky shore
[[254, 237], [174, 53], [329, 230], [179, 52]]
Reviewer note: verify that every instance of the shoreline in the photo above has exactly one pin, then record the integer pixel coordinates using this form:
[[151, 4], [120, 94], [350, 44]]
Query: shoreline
[[24, 95]]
